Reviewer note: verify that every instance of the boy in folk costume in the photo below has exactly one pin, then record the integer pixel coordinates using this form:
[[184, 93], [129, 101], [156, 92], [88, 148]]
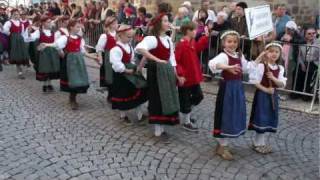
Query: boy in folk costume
[[18, 50], [189, 72], [268, 76], [230, 112], [105, 43], [48, 67], [74, 76], [161, 76], [128, 88]]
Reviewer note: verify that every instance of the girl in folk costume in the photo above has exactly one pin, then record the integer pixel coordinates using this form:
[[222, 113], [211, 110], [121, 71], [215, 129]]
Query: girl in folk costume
[[265, 108], [230, 112], [48, 67], [161, 76], [74, 76], [128, 88], [33, 44], [189, 72], [18, 51], [105, 43]]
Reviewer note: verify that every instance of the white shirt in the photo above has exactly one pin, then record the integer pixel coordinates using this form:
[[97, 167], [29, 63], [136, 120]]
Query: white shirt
[[211, 16], [103, 41], [116, 55], [223, 58], [58, 33], [7, 26], [151, 42], [36, 35], [257, 75], [61, 43]]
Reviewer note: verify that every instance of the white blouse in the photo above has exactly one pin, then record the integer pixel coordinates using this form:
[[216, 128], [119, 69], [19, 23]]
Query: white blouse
[[103, 41], [7, 26], [223, 58], [257, 75], [61, 43], [58, 34], [116, 55], [150, 42], [36, 35]]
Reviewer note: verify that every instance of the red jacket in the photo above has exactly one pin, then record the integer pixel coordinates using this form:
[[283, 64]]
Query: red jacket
[[188, 63]]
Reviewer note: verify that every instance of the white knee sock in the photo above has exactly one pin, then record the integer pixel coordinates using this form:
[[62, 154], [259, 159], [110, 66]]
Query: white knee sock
[[259, 140], [122, 114], [223, 141], [186, 118], [49, 82], [139, 112], [157, 130]]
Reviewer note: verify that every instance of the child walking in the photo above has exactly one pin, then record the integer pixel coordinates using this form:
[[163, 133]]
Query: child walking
[[230, 110], [128, 88], [161, 76], [268, 77], [189, 72]]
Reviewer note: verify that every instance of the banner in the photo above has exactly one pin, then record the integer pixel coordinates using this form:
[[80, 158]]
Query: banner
[[259, 21]]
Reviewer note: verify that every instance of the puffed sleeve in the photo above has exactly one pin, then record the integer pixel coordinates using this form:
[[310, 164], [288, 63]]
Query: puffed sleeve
[[148, 43], [57, 34], [82, 46], [6, 28], [32, 37], [248, 66], [222, 58], [281, 76], [61, 42], [256, 75], [116, 60], [101, 43]]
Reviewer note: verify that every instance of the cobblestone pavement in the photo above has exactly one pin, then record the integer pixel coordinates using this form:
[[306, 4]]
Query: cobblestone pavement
[[41, 138]]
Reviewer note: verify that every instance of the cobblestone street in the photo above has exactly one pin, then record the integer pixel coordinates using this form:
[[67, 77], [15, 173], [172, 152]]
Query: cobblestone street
[[41, 138]]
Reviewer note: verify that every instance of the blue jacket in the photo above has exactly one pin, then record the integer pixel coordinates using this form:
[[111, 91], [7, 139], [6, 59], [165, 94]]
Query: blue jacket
[[281, 25]]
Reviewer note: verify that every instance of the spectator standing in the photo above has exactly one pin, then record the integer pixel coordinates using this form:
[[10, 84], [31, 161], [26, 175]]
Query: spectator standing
[[281, 20], [181, 19], [205, 6], [188, 5]]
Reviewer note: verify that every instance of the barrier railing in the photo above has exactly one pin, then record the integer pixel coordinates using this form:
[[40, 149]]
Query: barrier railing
[[300, 61]]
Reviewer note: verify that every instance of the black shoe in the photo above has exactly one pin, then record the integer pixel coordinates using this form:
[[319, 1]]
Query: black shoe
[[44, 88], [189, 127], [126, 120], [50, 88], [193, 121], [1, 69]]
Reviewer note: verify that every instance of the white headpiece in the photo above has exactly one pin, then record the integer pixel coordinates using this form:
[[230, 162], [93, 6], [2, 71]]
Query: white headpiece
[[276, 44], [228, 33]]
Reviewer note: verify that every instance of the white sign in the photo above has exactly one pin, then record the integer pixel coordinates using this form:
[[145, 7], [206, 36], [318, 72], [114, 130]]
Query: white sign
[[259, 21]]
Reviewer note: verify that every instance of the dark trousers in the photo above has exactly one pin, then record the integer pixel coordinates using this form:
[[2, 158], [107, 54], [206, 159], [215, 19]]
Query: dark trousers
[[188, 97]]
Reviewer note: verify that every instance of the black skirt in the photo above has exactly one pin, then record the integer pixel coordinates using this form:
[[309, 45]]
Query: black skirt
[[124, 95], [155, 108]]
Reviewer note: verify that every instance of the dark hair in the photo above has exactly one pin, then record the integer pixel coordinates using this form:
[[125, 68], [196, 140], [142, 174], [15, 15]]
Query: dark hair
[[72, 23], [156, 28], [143, 10], [187, 27], [203, 19], [307, 27], [73, 6], [164, 7], [148, 15], [243, 5]]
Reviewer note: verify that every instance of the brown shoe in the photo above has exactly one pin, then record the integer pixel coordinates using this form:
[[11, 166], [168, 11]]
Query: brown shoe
[[74, 105], [224, 153]]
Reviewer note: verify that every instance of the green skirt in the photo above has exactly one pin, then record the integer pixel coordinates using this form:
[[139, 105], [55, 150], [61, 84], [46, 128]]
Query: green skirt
[[74, 75], [49, 61], [18, 50], [34, 54], [106, 72]]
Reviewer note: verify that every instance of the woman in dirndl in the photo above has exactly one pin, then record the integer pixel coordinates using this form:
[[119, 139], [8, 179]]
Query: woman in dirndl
[[129, 88], [268, 76], [18, 52], [230, 110], [48, 66], [74, 76], [161, 76], [105, 43]]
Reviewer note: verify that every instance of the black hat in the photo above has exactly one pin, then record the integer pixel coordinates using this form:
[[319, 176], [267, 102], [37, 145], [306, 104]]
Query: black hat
[[243, 5]]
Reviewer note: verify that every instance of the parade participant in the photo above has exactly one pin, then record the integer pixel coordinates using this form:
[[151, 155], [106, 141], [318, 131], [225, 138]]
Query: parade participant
[[128, 88], [265, 108], [161, 77], [74, 76], [18, 52], [33, 44], [62, 30], [189, 72], [230, 110], [105, 43], [48, 66]]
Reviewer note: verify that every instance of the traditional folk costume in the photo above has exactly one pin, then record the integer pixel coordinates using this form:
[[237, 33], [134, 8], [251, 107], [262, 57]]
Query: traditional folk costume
[[265, 107], [33, 52], [74, 75], [128, 90], [188, 66], [230, 112], [18, 51], [163, 95], [105, 43], [48, 66]]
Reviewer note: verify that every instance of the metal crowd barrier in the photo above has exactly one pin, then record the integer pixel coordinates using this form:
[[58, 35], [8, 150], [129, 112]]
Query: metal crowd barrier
[[310, 84]]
